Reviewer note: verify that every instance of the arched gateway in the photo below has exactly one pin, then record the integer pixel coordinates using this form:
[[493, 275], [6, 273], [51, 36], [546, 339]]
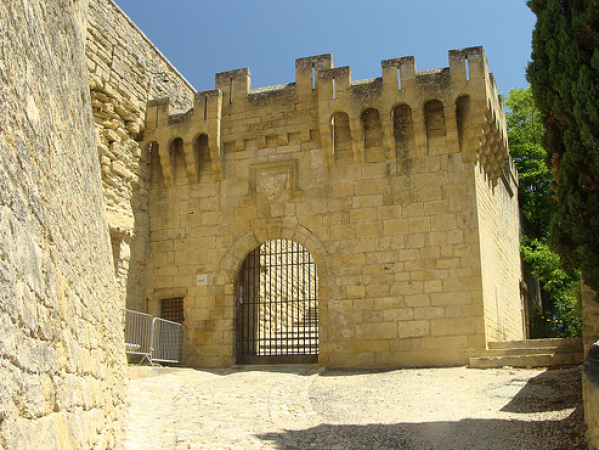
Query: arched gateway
[[277, 305]]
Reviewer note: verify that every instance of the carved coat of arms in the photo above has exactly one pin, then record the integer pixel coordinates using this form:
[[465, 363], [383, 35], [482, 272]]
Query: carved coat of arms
[[272, 184]]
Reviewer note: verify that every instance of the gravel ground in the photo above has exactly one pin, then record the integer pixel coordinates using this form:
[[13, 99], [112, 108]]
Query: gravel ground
[[292, 407], [451, 409]]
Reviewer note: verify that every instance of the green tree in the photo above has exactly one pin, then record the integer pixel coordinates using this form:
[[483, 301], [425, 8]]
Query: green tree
[[564, 75], [525, 131], [563, 318]]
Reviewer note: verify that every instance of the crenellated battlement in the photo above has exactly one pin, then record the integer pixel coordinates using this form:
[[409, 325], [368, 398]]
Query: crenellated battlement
[[453, 109]]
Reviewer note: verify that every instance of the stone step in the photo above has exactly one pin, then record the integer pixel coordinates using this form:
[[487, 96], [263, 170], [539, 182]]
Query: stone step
[[560, 343], [300, 338], [297, 337], [537, 360], [290, 339], [288, 345], [289, 342], [288, 351], [531, 353], [525, 351], [306, 322], [297, 332]]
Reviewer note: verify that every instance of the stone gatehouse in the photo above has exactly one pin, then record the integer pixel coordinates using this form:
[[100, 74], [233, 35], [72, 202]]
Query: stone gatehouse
[[378, 217], [399, 187]]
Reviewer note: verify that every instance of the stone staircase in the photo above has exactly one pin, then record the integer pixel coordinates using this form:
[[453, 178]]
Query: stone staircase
[[531, 353], [300, 339]]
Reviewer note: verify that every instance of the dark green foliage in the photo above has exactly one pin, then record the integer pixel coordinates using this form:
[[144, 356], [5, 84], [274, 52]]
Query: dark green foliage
[[564, 75], [525, 133], [559, 323], [562, 318]]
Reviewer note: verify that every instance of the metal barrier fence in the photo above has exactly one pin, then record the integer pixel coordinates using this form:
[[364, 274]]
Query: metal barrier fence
[[155, 339], [169, 341], [138, 334]]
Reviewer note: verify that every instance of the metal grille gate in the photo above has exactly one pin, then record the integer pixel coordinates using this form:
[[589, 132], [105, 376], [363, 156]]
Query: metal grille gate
[[277, 315]]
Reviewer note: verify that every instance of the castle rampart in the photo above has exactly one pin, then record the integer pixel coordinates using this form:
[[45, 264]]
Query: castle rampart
[[478, 128]]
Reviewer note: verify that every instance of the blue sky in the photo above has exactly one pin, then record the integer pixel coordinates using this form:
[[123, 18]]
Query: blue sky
[[203, 37]]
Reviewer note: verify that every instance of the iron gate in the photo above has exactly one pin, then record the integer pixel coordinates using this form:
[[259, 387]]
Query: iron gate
[[277, 314]]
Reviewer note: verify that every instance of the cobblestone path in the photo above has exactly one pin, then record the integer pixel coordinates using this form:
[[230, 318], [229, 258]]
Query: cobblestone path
[[295, 408]]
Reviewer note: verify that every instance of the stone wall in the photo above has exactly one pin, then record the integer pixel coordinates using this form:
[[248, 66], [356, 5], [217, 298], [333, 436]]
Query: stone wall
[[590, 318], [590, 391], [379, 179], [61, 360], [498, 217], [590, 379], [125, 70]]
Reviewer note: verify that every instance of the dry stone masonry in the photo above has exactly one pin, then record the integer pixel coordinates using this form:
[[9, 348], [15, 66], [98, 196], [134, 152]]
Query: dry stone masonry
[[125, 70]]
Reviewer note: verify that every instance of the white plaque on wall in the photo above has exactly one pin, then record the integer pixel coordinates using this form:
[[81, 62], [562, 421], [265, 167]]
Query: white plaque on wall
[[202, 279]]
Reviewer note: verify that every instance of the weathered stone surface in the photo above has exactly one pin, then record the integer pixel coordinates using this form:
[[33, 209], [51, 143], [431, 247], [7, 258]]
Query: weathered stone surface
[[590, 379], [56, 297], [120, 86]]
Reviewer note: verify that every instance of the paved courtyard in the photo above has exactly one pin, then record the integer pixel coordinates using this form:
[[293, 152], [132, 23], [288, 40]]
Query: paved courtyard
[[296, 408]]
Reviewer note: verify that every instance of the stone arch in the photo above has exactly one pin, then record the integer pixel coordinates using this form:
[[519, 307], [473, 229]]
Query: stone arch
[[434, 119], [403, 132], [177, 161], [341, 138], [201, 151], [373, 135], [236, 253], [156, 174]]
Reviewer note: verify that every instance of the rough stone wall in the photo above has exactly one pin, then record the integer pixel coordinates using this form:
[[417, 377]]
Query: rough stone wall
[[125, 69], [590, 391], [590, 379], [61, 360], [590, 318], [376, 178], [498, 218]]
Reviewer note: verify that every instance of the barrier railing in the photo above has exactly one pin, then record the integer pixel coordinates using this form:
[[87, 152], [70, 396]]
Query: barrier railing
[[169, 341], [138, 334], [155, 339]]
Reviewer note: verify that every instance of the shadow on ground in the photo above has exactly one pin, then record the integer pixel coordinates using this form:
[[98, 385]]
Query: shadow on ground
[[469, 434], [553, 390]]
